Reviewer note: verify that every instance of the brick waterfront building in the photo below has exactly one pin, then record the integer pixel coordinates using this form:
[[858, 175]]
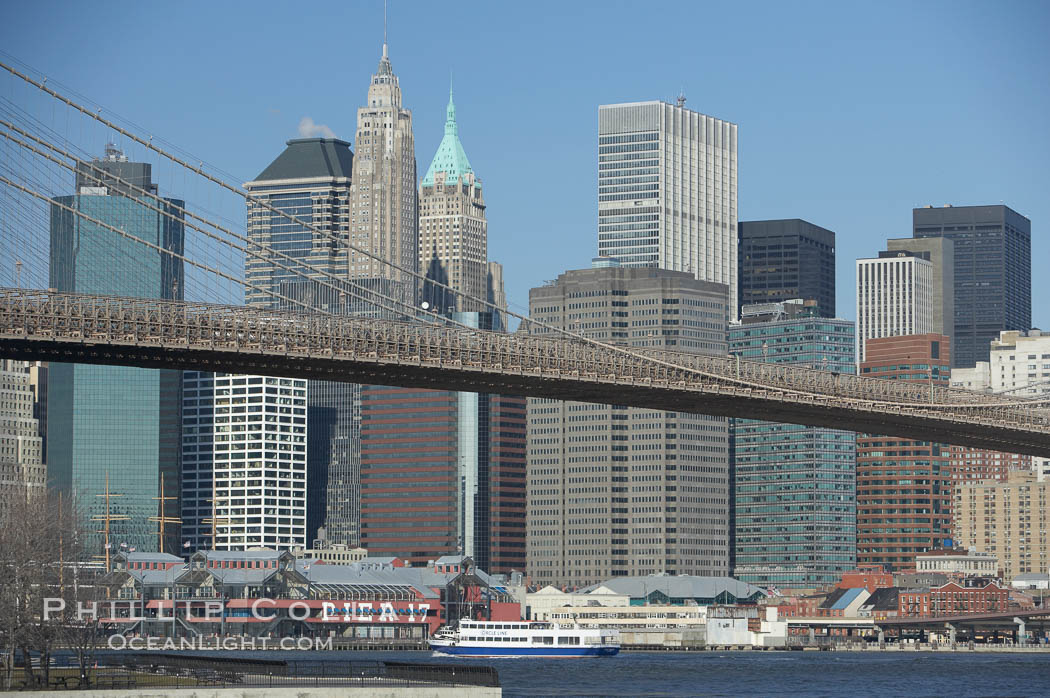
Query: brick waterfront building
[[903, 485], [972, 596], [870, 578]]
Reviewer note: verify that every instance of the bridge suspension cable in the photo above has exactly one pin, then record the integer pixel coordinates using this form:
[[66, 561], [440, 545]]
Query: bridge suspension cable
[[146, 243], [167, 210], [945, 394]]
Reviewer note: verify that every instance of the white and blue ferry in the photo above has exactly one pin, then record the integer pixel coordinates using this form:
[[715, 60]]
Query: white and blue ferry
[[480, 638]]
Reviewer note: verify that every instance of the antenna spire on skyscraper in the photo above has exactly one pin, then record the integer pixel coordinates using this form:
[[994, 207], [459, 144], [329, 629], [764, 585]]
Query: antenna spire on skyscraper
[[384, 29]]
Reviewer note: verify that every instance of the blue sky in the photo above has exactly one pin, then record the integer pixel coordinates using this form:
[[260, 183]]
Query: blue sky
[[850, 114]]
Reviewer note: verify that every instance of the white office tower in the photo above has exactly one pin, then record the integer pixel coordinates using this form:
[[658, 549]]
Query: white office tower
[[895, 297], [244, 461], [667, 191]]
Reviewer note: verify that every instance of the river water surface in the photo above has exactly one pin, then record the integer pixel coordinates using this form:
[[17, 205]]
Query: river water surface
[[873, 673]]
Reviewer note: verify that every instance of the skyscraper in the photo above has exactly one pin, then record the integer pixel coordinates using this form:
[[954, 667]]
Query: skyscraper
[[1018, 366], [308, 184], [995, 517], [311, 180], [896, 296], [667, 190], [111, 421], [22, 469], [444, 473], [453, 232], [785, 259], [941, 254], [795, 505], [993, 272], [615, 490], [903, 486], [244, 447], [468, 449], [383, 209]]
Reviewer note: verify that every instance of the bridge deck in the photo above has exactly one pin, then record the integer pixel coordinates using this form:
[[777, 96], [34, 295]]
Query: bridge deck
[[40, 325]]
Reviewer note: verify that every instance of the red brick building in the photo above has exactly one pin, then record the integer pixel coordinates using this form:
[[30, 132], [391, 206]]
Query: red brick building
[[954, 599], [800, 606], [913, 603], [870, 578], [977, 465], [903, 486]]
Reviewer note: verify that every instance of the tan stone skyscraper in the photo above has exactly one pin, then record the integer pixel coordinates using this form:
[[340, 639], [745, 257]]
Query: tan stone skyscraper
[[626, 491], [453, 232], [383, 197]]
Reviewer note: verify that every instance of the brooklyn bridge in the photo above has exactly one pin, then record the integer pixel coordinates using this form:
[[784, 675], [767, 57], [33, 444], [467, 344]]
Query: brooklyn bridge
[[388, 338]]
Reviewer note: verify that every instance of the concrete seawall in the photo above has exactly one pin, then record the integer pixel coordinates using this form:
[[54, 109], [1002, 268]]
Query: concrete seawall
[[420, 691]]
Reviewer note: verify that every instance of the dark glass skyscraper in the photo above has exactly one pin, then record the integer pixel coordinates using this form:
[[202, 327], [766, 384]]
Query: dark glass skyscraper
[[993, 272], [785, 259], [109, 420]]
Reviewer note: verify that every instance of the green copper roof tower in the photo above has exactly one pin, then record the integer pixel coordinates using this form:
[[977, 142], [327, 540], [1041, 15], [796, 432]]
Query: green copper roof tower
[[453, 232], [450, 157]]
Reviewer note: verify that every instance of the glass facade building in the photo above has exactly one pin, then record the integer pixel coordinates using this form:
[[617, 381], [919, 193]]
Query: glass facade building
[[108, 420], [794, 488], [785, 259], [311, 181], [993, 273]]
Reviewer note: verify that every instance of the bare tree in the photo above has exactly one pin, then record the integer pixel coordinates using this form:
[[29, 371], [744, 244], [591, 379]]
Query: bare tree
[[82, 627], [39, 545]]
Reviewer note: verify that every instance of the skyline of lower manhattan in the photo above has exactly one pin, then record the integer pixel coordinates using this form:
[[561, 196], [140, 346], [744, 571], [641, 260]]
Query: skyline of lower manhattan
[[306, 203], [678, 375]]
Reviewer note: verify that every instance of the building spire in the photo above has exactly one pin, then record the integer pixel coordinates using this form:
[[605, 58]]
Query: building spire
[[450, 157], [384, 62], [451, 128]]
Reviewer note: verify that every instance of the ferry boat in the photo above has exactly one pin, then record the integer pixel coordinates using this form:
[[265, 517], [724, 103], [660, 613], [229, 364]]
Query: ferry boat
[[479, 638]]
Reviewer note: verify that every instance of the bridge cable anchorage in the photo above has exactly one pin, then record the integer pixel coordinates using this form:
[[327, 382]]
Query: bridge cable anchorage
[[530, 323], [167, 213]]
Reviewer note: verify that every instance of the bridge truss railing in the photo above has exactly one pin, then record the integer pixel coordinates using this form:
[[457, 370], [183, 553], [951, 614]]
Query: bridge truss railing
[[167, 324]]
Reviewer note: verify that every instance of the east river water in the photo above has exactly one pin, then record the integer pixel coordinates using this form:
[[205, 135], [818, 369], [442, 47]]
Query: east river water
[[871, 673]]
